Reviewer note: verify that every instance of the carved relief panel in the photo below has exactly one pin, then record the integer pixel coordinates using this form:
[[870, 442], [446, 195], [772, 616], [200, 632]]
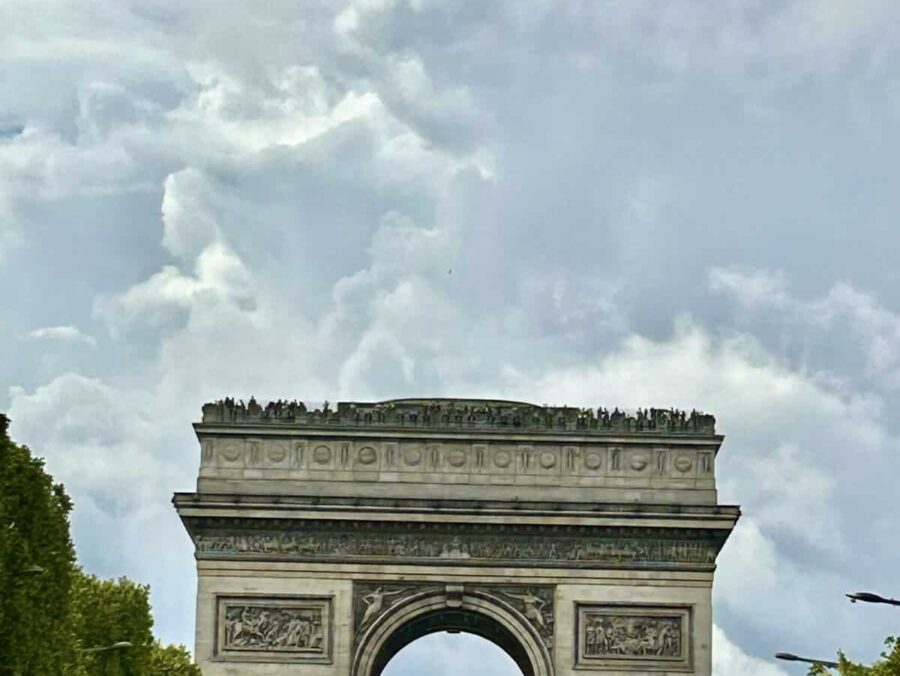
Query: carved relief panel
[[274, 629], [465, 545], [633, 637]]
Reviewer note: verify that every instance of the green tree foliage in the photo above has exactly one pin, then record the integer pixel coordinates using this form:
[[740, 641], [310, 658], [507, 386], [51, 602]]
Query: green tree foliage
[[35, 635], [172, 660], [105, 612], [888, 665], [57, 620]]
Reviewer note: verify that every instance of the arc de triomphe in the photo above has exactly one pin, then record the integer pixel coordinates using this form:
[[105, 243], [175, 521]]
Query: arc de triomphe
[[580, 541]]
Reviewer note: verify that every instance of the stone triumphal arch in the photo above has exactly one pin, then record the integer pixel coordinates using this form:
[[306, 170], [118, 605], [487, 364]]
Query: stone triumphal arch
[[579, 541]]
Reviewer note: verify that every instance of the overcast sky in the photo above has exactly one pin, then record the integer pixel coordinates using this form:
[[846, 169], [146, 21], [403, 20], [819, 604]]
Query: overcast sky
[[618, 203]]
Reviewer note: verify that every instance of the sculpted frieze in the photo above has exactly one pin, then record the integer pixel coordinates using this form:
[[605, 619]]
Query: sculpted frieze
[[586, 547]]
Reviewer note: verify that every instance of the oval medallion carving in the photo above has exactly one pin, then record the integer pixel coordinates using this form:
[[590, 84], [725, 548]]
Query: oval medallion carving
[[412, 456], [322, 454], [456, 457], [231, 452], [367, 456], [593, 460], [638, 462], [548, 459], [683, 464], [502, 458], [277, 452]]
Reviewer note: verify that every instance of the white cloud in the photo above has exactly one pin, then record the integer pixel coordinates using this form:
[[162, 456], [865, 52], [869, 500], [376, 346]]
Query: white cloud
[[748, 565], [875, 329], [804, 507], [781, 43], [42, 163], [63, 333], [730, 660], [10, 233], [91, 433], [796, 457], [444, 654], [169, 296], [296, 106], [750, 288], [189, 220]]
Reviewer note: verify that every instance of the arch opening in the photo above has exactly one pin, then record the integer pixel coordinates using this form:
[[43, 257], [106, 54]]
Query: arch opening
[[453, 620], [481, 612], [451, 654]]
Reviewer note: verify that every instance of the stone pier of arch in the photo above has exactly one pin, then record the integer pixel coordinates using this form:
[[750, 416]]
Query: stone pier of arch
[[580, 541]]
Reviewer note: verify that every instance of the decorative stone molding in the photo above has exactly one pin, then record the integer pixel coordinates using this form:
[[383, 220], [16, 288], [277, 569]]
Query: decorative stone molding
[[462, 413], [488, 462], [534, 603], [633, 637], [459, 544], [274, 629]]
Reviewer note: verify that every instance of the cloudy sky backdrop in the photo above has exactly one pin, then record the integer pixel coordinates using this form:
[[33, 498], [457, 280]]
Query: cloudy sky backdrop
[[618, 203]]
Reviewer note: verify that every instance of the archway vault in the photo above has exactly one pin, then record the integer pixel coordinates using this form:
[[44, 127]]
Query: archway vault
[[525, 632], [577, 540]]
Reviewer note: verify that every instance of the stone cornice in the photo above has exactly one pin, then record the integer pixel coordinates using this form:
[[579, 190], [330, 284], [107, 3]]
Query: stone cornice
[[277, 429], [400, 508], [243, 524], [463, 415]]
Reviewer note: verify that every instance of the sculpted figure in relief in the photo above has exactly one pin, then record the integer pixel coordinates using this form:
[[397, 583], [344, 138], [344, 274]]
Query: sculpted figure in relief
[[510, 547], [374, 601], [534, 607], [537, 606], [632, 636], [262, 628]]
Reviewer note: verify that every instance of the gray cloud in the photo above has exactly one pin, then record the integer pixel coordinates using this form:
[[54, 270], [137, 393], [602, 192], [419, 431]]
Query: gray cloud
[[617, 203]]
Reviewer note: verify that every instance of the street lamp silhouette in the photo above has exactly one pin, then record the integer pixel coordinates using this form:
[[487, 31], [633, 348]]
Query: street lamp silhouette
[[29, 570], [869, 597], [865, 597], [790, 657], [118, 645]]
